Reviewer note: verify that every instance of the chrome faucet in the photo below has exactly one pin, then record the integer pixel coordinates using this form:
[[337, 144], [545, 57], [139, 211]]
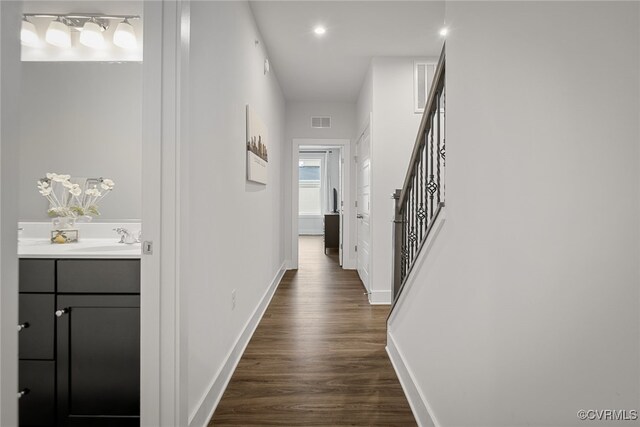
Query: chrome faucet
[[126, 236]]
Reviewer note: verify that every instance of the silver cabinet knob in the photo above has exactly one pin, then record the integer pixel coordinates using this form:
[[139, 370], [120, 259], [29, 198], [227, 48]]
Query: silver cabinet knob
[[359, 216], [59, 313], [23, 392], [22, 326]]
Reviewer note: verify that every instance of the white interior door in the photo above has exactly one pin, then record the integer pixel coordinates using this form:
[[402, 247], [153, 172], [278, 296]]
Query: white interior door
[[341, 202], [363, 167]]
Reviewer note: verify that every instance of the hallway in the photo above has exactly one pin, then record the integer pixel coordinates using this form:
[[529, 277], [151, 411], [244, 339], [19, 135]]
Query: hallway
[[318, 356]]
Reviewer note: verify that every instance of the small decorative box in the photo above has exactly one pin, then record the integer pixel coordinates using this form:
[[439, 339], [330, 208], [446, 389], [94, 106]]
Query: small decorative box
[[64, 236]]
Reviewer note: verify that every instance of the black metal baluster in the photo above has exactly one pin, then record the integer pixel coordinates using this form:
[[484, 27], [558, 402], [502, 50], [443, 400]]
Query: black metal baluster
[[418, 197], [444, 128], [431, 186], [438, 151], [411, 226], [416, 225], [406, 237], [402, 243], [408, 225]]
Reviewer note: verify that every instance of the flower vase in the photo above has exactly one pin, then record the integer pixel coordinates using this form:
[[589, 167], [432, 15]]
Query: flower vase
[[64, 230]]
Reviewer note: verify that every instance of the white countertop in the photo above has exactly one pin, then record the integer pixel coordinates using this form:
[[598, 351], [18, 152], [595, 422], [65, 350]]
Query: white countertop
[[85, 248], [96, 240]]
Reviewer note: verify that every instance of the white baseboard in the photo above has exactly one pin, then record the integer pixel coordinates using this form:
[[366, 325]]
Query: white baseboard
[[209, 402], [380, 298], [422, 412]]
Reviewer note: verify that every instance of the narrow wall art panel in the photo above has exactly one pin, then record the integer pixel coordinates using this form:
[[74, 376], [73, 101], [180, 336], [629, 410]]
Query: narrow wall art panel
[[257, 154]]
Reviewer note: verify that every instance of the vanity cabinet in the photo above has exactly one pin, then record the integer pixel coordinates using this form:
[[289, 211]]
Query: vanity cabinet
[[79, 342]]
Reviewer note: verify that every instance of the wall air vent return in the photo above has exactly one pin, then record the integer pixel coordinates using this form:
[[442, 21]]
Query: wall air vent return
[[321, 122]]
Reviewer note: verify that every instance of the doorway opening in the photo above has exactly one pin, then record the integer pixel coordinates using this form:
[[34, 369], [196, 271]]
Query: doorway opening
[[320, 195], [80, 217]]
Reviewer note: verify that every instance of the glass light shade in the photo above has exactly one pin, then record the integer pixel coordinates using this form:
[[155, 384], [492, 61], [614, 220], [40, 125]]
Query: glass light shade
[[91, 35], [125, 36], [28, 34], [58, 34]]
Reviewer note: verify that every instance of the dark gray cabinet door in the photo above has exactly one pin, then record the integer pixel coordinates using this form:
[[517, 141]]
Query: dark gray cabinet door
[[37, 405], [37, 275], [99, 360], [37, 313]]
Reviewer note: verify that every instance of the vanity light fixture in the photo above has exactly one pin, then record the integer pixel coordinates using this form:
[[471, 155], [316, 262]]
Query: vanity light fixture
[[58, 33], [29, 34], [92, 28], [91, 34], [125, 36]]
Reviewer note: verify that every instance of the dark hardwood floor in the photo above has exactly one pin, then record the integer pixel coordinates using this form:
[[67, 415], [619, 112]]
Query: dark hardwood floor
[[318, 356]]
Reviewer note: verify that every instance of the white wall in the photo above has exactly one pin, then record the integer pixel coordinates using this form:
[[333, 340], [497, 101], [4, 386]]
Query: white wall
[[235, 227], [298, 122], [83, 119], [387, 93], [395, 126], [9, 134], [298, 125], [526, 309], [364, 106]]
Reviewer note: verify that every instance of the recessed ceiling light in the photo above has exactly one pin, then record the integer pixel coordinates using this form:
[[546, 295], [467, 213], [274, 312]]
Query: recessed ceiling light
[[319, 30], [444, 31]]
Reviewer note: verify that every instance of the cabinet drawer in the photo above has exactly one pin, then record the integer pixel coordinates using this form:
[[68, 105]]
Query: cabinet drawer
[[99, 276], [37, 275], [38, 405], [36, 340]]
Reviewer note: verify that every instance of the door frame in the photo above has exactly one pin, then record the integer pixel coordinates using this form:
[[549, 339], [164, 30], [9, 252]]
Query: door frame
[[347, 211], [366, 129], [10, 17], [163, 342], [163, 334]]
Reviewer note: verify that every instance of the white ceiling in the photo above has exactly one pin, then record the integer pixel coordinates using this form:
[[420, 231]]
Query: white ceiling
[[332, 67]]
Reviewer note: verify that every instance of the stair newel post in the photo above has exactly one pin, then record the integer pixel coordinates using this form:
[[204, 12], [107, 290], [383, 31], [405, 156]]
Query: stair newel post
[[398, 227]]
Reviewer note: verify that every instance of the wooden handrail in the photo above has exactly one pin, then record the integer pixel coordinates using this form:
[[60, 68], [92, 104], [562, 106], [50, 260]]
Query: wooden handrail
[[425, 124]]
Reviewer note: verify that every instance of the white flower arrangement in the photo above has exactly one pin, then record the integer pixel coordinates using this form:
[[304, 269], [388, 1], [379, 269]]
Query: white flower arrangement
[[66, 198]]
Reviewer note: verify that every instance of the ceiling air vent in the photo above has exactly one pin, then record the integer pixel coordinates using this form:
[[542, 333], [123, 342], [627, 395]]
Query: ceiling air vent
[[321, 122]]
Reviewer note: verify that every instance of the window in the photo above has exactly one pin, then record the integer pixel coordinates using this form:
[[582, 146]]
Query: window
[[310, 179], [423, 73]]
